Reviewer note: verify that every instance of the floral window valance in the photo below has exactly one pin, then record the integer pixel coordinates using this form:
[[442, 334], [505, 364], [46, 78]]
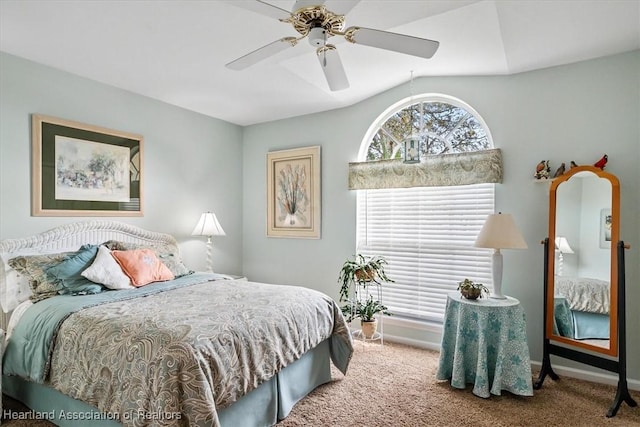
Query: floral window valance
[[433, 171]]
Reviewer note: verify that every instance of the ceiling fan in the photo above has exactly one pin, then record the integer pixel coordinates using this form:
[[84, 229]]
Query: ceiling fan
[[312, 19]]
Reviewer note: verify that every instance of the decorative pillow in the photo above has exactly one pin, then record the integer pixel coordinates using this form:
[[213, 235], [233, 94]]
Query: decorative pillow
[[67, 275], [15, 287], [33, 266], [106, 271], [175, 264], [166, 253], [142, 266]]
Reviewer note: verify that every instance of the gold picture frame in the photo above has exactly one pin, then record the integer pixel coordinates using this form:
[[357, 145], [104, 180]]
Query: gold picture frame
[[84, 170], [293, 193]]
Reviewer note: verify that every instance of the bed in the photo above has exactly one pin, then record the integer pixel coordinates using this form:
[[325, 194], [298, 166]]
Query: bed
[[581, 308], [194, 348]]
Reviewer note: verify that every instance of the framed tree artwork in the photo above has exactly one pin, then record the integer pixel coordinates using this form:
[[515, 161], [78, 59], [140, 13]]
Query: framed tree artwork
[[293, 193], [84, 170]]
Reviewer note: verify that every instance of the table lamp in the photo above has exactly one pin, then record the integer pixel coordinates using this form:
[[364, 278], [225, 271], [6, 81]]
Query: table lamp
[[208, 226], [562, 247], [499, 232]]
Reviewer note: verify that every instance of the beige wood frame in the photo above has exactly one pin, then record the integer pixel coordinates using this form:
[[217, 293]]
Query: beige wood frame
[[37, 209], [613, 282], [306, 224]]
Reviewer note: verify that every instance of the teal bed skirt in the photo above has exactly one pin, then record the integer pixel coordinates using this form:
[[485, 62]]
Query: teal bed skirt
[[579, 325], [264, 406]]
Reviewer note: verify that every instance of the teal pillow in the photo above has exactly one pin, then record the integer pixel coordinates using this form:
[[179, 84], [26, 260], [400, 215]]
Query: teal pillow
[[67, 277]]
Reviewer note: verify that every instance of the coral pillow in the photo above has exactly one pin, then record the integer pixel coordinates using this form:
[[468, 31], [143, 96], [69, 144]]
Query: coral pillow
[[142, 266]]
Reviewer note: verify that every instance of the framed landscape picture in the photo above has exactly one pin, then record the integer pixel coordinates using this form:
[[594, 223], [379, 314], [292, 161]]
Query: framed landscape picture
[[293, 193], [84, 170]]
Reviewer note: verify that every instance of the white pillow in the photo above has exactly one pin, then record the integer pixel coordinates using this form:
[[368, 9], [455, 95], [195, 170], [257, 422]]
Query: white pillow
[[14, 287], [106, 271], [15, 316]]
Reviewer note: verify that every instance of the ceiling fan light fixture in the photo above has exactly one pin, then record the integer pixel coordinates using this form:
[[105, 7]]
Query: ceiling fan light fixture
[[317, 36]]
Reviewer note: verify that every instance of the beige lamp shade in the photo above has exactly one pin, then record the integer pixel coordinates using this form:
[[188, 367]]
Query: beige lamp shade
[[208, 226], [500, 232]]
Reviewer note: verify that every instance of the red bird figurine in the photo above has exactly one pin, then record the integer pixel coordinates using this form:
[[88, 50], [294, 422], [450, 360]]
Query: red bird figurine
[[602, 162]]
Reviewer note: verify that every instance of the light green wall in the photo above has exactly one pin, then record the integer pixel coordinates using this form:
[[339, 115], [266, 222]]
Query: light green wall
[[195, 163], [574, 112], [192, 163]]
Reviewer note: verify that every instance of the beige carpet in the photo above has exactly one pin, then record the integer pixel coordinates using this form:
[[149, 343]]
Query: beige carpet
[[395, 385]]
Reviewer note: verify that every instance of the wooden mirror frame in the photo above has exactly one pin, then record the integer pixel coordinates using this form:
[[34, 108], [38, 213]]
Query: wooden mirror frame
[[613, 281]]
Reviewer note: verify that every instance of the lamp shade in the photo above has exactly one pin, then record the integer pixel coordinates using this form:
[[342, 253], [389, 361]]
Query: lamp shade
[[208, 226], [500, 232], [562, 245]]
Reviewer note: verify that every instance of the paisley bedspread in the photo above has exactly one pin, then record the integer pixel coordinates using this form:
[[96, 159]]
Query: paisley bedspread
[[177, 356], [584, 294]]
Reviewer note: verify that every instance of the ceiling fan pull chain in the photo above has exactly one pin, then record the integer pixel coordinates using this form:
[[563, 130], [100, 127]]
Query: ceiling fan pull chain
[[324, 62]]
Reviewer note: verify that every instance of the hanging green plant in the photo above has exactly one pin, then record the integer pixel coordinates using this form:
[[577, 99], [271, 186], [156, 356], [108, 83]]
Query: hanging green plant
[[361, 271]]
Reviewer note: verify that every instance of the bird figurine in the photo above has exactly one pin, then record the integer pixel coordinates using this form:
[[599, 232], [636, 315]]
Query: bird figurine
[[559, 171], [542, 170], [602, 162], [573, 165]]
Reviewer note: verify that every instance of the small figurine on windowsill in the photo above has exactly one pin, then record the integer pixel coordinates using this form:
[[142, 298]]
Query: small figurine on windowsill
[[542, 170]]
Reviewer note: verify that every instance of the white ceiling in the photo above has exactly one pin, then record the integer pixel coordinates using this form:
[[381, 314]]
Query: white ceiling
[[175, 51]]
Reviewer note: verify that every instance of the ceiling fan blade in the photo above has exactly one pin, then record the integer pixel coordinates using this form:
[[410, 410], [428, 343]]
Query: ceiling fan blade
[[299, 4], [262, 8], [410, 45], [332, 67], [262, 53], [341, 7]]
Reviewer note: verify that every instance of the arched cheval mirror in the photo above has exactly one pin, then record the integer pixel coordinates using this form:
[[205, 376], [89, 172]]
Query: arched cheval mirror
[[584, 312], [582, 276]]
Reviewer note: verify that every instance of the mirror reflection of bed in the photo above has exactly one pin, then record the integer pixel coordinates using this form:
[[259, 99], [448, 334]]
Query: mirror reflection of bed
[[582, 270], [582, 309]]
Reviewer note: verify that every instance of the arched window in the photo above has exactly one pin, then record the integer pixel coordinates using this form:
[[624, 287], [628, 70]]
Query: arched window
[[441, 124], [424, 218]]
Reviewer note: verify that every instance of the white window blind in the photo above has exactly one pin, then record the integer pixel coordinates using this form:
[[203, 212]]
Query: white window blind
[[427, 235]]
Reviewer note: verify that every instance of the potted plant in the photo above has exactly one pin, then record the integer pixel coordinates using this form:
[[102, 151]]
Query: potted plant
[[471, 290], [356, 274], [361, 271], [366, 311]]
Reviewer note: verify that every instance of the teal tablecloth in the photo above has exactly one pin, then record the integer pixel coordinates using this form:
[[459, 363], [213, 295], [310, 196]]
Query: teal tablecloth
[[484, 343]]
